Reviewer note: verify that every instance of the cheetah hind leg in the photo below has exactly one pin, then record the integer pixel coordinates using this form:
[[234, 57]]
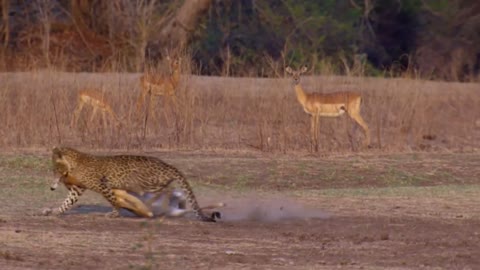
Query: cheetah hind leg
[[123, 198], [132, 203], [108, 193]]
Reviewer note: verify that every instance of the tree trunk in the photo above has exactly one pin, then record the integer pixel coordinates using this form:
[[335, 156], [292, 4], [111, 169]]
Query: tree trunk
[[6, 28], [177, 31]]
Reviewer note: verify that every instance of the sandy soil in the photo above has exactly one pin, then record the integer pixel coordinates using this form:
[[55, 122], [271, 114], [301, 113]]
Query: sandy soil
[[418, 225]]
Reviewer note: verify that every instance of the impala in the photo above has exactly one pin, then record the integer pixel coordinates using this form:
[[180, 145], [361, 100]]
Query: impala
[[96, 99], [327, 105], [156, 85]]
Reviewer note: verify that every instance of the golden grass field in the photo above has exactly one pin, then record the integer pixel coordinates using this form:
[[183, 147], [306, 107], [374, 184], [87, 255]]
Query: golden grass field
[[238, 114], [410, 202]]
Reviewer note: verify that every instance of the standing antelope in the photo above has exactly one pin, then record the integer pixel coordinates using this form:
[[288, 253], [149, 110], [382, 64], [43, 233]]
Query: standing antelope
[[160, 85], [327, 105], [95, 98]]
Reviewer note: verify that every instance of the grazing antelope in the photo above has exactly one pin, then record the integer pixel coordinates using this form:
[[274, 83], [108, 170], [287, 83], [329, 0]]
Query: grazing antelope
[[96, 99], [155, 85], [327, 105]]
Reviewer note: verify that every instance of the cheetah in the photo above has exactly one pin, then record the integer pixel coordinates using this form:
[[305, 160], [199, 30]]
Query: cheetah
[[171, 203], [124, 173], [123, 198]]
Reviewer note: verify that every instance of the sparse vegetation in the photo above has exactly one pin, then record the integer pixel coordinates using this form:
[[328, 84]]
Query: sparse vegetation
[[234, 113]]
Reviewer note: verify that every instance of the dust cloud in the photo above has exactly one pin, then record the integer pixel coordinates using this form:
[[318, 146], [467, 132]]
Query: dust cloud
[[261, 209], [245, 207]]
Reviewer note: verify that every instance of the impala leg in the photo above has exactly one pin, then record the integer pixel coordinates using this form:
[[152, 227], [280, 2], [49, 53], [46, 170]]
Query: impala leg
[[165, 110], [158, 193], [76, 114], [165, 201], [104, 118], [93, 114], [358, 118], [113, 117], [141, 99], [317, 121], [312, 132], [150, 106]]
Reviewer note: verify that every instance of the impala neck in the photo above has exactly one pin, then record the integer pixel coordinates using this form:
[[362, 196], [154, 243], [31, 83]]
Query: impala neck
[[301, 96], [175, 76]]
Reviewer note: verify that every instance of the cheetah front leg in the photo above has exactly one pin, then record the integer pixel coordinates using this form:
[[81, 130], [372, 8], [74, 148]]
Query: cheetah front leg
[[108, 193], [73, 193]]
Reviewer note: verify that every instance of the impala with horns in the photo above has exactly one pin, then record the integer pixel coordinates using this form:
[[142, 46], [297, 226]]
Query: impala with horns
[[155, 85]]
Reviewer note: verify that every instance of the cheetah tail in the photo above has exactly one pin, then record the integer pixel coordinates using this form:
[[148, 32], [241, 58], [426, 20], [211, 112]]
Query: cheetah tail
[[197, 210]]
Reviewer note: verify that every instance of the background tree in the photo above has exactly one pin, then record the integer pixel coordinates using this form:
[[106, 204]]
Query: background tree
[[435, 39]]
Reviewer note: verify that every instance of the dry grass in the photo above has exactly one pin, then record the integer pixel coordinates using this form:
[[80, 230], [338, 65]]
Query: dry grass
[[238, 113]]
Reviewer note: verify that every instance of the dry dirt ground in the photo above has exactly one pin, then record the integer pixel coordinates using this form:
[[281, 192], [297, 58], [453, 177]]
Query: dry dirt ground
[[368, 211]]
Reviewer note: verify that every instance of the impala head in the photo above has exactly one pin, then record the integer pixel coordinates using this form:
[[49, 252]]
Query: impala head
[[63, 162], [56, 182], [174, 63], [296, 73]]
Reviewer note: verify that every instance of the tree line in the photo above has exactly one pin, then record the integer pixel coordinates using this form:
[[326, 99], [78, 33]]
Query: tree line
[[433, 39]]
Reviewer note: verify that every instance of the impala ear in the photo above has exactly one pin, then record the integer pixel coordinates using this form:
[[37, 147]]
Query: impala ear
[[304, 69], [289, 70]]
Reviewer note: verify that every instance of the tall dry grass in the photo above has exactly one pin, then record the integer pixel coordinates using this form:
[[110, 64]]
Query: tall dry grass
[[237, 113]]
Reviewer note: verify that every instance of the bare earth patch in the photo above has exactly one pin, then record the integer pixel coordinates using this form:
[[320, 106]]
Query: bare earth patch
[[397, 211]]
